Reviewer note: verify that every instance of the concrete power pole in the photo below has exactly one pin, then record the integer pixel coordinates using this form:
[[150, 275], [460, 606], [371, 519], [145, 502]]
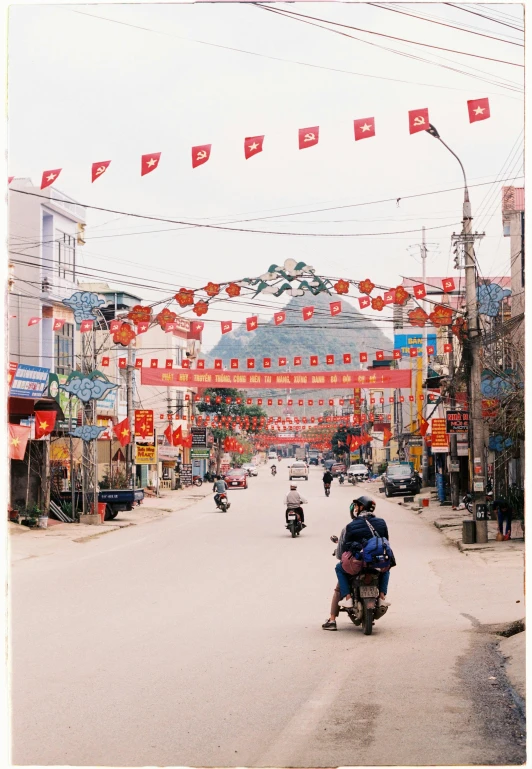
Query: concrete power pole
[[424, 358], [130, 417]]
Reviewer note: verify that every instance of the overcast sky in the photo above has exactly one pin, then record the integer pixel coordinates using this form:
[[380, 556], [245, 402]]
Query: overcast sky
[[85, 89]]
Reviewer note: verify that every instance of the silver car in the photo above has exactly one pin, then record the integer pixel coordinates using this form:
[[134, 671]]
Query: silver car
[[250, 468]]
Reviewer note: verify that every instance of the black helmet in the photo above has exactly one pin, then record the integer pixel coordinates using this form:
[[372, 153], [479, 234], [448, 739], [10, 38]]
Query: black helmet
[[366, 503]]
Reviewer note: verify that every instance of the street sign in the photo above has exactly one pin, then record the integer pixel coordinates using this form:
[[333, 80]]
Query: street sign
[[186, 475], [200, 453], [457, 421]]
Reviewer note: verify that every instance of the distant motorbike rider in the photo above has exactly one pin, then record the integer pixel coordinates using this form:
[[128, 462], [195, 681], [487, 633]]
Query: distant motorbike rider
[[355, 532], [293, 502], [220, 486], [327, 478], [273, 469]]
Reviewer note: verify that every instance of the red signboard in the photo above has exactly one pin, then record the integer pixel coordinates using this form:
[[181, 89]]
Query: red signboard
[[247, 380], [143, 422], [439, 437]]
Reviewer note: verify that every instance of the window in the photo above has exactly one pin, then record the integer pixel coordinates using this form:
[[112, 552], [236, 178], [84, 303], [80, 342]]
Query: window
[[66, 256], [64, 349]]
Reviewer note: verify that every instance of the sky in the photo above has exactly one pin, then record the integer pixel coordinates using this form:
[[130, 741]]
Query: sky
[[86, 84]]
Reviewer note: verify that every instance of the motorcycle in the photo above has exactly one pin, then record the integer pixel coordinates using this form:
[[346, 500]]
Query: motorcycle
[[294, 522], [365, 593], [222, 503], [327, 487], [197, 481], [274, 471]]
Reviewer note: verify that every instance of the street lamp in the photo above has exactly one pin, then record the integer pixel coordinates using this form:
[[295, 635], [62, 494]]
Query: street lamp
[[478, 473]]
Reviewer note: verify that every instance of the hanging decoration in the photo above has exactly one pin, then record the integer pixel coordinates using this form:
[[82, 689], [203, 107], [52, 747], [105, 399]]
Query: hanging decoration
[[490, 297], [308, 137], [364, 128], [98, 169], [19, 436], [478, 109], [87, 432], [201, 308], [401, 296], [49, 177], [377, 303], [124, 335], [44, 423], [366, 286], [164, 317], [252, 146], [184, 297], [441, 316], [87, 387], [83, 304], [418, 120], [418, 317], [200, 154], [341, 287], [149, 163]]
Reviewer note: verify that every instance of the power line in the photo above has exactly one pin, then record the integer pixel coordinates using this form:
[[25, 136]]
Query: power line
[[482, 16], [393, 37], [273, 58], [443, 24]]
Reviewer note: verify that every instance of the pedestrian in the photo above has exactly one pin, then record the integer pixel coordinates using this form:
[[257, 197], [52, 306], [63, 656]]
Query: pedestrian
[[504, 516]]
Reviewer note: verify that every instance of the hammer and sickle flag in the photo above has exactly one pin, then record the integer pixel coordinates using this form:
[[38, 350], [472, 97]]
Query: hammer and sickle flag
[[308, 137], [98, 169], [418, 120], [200, 154]]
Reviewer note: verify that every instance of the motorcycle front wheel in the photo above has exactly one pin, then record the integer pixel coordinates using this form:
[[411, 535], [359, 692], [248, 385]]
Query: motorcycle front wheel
[[198, 482], [368, 621]]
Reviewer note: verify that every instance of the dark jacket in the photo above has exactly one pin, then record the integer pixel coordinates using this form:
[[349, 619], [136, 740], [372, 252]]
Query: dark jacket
[[327, 477], [358, 530]]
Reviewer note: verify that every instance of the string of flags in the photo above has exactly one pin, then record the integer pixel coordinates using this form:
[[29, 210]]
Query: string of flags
[[297, 360], [363, 128]]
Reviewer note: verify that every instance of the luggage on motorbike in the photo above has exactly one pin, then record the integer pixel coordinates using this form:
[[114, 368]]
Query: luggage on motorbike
[[377, 552]]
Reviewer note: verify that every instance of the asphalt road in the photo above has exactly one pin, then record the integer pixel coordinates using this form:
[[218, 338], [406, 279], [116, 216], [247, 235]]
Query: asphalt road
[[196, 640]]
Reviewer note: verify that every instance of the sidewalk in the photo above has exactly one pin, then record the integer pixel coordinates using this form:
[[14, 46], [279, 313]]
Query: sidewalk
[[151, 509]]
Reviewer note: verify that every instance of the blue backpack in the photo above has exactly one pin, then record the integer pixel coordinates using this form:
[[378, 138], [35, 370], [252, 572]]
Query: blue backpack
[[377, 552]]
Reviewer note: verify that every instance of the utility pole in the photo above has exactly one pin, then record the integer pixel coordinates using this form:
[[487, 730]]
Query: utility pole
[[130, 417], [425, 369], [476, 427], [455, 475]]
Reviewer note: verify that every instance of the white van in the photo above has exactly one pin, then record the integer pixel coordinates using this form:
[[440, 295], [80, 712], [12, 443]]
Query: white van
[[272, 455]]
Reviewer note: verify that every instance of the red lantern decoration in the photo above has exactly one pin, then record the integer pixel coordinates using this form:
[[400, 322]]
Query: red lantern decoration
[[341, 287], [201, 308], [139, 314], [377, 303], [184, 297], [401, 296], [441, 316], [233, 290], [212, 289], [366, 286], [418, 317]]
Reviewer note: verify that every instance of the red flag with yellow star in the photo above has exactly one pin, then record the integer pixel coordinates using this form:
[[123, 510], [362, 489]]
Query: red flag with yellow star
[[18, 440], [44, 423], [122, 431]]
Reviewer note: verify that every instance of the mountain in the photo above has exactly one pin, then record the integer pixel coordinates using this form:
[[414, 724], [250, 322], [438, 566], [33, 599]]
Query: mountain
[[322, 335]]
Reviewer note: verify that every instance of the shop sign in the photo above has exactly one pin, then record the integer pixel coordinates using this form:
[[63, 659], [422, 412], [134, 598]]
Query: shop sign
[[415, 440], [462, 445], [186, 474], [439, 437], [169, 452], [29, 381], [145, 454], [455, 467], [199, 436], [457, 421], [143, 423], [404, 342], [107, 403], [69, 404], [201, 453]]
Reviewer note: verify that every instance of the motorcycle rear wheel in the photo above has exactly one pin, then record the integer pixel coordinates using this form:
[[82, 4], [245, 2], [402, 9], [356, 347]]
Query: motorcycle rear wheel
[[368, 621], [293, 530]]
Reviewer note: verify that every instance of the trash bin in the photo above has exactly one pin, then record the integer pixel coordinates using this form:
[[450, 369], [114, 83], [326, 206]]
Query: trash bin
[[101, 510], [468, 532], [425, 501]]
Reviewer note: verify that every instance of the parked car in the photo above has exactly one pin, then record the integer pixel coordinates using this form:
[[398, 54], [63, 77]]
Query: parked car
[[338, 468], [237, 479], [401, 479], [250, 468], [357, 473], [298, 470]]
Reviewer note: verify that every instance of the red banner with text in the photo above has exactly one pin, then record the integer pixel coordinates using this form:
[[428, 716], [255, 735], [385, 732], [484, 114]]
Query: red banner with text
[[385, 379]]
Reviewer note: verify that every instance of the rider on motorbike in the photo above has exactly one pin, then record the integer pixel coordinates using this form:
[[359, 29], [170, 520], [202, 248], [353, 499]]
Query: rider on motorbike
[[293, 501], [354, 532], [273, 469], [219, 487], [327, 478]]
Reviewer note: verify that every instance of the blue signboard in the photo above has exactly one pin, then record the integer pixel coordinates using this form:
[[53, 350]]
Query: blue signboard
[[404, 342], [29, 381]]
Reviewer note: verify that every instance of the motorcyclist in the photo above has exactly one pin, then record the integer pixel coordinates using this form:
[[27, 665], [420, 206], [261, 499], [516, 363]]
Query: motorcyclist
[[355, 531], [293, 501], [273, 469], [327, 478], [220, 486]]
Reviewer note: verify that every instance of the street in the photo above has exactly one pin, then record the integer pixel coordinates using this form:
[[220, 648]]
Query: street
[[196, 640]]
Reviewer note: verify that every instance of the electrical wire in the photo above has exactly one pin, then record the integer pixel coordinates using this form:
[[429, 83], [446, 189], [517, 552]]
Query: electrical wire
[[443, 24], [392, 37], [482, 16], [273, 58]]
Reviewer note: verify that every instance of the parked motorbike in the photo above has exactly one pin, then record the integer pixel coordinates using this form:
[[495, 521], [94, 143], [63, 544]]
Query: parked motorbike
[[222, 503], [294, 522], [197, 481], [327, 487], [352, 479], [365, 595]]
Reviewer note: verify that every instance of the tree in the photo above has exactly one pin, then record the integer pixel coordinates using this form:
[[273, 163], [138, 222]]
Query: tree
[[232, 410]]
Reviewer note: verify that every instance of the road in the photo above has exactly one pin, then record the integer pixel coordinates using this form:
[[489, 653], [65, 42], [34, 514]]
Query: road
[[196, 640]]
